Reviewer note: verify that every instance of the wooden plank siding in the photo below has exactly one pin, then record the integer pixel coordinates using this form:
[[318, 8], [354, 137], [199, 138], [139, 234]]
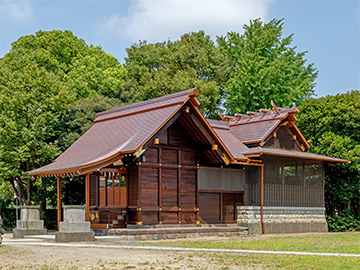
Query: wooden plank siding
[[168, 181]]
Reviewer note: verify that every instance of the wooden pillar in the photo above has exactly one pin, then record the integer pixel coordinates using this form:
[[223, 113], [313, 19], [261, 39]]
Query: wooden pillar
[[160, 186], [197, 195], [179, 186], [303, 184], [221, 206], [139, 219], [262, 198], [58, 201], [87, 197]]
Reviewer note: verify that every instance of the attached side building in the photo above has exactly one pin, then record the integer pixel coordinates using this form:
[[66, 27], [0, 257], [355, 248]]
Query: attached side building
[[161, 162]]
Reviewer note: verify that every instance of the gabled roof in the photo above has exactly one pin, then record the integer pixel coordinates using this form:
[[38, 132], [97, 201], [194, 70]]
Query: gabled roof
[[255, 127], [121, 131], [236, 147], [131, 129]]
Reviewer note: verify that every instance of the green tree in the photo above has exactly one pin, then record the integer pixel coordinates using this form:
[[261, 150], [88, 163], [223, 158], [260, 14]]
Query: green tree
[[332, 126], [40, 77], [79, 117], [85, 70], [29, 99], [154, 70], [264, 67]]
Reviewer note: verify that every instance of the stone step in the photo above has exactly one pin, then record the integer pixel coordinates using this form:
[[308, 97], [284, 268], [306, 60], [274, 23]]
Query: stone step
[[177, 232]]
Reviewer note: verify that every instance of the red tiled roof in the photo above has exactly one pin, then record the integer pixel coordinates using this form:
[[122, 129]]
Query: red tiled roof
[[254, 132], [255, 127], [233, 144], [127, 129], [122, 130]]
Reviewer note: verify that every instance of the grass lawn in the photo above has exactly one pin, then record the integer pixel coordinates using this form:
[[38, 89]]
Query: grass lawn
[[258, 261], [332, 242]]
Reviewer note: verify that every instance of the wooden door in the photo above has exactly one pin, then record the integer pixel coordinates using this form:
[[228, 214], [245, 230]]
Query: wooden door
[[209, 205], [230, 203]]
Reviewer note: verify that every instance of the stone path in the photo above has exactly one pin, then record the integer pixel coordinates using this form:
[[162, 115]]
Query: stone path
[[128, 245]]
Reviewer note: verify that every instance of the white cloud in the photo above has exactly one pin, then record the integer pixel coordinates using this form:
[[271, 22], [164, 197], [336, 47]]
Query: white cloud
[[157, 20], [16, 10]]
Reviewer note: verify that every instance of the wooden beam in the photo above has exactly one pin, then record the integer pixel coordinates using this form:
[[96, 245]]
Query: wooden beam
[[160, 185], [262, 199], [87, 197], [58, 201], [139, 221], [197, 193], [179, 186]]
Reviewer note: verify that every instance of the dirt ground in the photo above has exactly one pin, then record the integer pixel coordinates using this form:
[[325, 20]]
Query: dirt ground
[[45, 258], [21, 256]]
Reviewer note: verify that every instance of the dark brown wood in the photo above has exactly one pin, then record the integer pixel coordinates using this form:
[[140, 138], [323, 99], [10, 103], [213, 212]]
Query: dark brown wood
[[197, 195], [139, 220], [87, 197], [209, 205], [160, 186], [165, 165], [221, 206], [58, 201], [178, 186]]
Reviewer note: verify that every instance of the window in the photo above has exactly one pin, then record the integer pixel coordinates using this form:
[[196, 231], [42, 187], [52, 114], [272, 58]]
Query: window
[[313, 175], [102, 180], [116, 180], [109, 180], [123, 180]]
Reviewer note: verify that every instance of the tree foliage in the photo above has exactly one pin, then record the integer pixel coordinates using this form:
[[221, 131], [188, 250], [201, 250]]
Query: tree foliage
[[264, 67], [40, 76], [154, 70], [79, 117], [332, 126]]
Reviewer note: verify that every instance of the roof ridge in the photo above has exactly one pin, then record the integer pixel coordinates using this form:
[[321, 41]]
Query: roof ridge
[[257, 121], [189, 92]]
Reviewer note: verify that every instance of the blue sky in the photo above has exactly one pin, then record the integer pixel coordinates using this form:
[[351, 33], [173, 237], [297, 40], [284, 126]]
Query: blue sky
[[328, 29]]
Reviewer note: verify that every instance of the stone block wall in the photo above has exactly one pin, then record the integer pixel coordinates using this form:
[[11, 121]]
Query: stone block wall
[[279, 219]]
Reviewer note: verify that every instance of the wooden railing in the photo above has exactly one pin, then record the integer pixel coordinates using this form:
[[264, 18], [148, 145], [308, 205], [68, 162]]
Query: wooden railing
[[287, 195]]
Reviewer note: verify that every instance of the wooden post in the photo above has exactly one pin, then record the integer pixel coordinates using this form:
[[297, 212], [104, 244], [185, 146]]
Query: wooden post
[[139, 219], [221, 206], [160, 185], [179, 186], [87, 197], [197, 194], [262, 198], [58, 201]]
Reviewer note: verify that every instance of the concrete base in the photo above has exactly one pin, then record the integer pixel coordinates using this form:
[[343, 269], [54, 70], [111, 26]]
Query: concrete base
[[66, 237], [30, 223], [283, 219], [83, 226], [178, 232], [20, 233]]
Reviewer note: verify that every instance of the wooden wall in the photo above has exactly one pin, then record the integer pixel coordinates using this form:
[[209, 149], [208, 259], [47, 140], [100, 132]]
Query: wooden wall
[[284, 139], [167, 181], [220, 191]]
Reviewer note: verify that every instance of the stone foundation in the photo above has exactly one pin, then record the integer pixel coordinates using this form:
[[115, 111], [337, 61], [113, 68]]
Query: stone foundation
[[159, 233], [29, 223], [282, 219], [74, 228]]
